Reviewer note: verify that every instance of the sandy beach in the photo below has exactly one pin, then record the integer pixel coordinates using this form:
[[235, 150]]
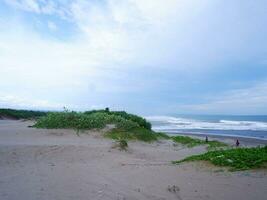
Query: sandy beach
[[58, 165]]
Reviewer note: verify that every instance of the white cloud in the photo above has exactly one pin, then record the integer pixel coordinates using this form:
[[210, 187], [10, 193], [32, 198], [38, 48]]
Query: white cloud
[[52, 26], [251, 100], [116, 35], [49, 7], [22, 102], [154, 33]]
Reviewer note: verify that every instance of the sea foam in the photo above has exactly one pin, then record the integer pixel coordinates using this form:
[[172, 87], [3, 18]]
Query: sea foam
[[164, 123]]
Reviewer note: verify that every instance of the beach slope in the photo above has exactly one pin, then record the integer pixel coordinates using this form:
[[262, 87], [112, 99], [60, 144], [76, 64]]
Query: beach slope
[[57, 164]]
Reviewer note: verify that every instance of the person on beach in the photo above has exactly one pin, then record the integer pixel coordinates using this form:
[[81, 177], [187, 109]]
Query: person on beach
[[207, 139], [237, 143]]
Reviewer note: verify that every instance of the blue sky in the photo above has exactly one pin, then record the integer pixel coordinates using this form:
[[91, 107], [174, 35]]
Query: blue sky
[[144, 56]]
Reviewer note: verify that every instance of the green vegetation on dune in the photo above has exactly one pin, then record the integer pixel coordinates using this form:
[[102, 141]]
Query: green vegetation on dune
[[127, 126], [214, 145], [20, 114], [78, 121], [138, 133], [160, 135], [192, 142], [236, 159], [137, 119], [188, 141]]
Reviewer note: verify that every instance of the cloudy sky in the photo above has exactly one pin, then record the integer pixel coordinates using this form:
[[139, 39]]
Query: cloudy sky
[[144, 56]]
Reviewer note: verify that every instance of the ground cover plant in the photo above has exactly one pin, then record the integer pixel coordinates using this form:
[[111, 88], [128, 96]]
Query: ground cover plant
[[138, 133], [127, 126], [236, 159], [135, 118], [161, 135], [188, 141], [77, 120], [21, 114], [192, 142]]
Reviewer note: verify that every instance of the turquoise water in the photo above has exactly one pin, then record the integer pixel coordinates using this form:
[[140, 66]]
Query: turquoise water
[[244, 126]]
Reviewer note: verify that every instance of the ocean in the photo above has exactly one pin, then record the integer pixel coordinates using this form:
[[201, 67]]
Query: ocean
[[250, 126]]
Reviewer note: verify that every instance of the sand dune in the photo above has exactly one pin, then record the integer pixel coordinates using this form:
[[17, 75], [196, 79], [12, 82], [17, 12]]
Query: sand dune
[[58, 165]]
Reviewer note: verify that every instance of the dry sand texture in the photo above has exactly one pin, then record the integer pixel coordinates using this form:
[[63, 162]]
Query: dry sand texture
[[58, 165]]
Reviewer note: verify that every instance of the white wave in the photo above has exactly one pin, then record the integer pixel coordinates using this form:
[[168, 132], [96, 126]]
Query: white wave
[[249, 124], [162, 123], [168, 119]]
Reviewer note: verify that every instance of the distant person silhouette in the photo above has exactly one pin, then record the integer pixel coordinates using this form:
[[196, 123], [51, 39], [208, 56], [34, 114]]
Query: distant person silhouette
[[237, 143], [207, 139]]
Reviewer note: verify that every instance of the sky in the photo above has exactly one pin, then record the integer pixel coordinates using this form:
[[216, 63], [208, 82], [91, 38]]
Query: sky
[[143, 56]]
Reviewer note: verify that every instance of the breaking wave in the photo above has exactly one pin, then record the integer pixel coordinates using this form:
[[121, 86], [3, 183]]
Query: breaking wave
[[165, 123]]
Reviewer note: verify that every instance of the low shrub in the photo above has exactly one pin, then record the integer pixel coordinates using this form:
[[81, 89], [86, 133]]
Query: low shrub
[[21, 114], [160, 135], [236, 159], [188, 141], [137, 119], [192, 142], [131, 117], [123, 145], [83, 121], [133, 134]]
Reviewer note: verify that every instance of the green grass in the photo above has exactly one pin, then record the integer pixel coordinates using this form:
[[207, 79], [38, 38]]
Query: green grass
[[138, 133], [79, 121], [216, 145], [134, 118], [192, 142], [188, 141], [160, 135], [236, 159], [20, 114], [128, 126]]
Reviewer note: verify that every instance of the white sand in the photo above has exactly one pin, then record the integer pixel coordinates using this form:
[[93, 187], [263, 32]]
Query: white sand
[[57, 165]]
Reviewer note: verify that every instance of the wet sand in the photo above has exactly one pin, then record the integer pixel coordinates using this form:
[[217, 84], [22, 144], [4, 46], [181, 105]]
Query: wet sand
[[58, 165]]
